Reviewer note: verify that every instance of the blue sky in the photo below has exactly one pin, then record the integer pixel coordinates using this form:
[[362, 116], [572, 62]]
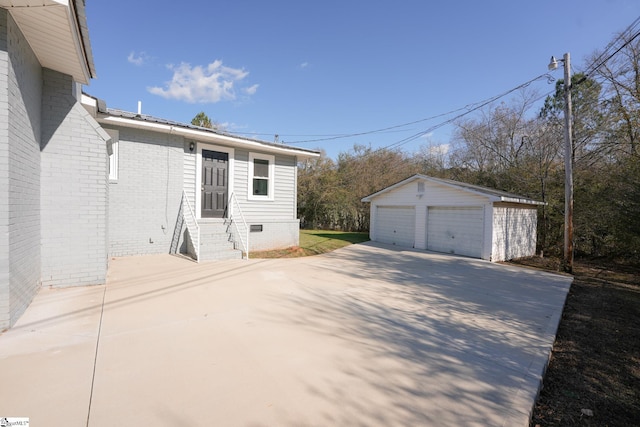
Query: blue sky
[[315, 70]]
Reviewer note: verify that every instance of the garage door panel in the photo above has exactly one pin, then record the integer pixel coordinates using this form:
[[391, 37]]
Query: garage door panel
[[456, 230], [396, 225]]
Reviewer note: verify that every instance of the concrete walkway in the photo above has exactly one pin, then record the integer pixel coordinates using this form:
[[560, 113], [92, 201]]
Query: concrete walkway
[[365, 336]]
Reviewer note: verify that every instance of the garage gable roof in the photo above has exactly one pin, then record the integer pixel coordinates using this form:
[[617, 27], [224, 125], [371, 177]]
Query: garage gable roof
[[493, 195]]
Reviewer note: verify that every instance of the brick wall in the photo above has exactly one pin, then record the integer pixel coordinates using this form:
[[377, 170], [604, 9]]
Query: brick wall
[[74, 182], [145, 200], [20, 92], [153, 170]]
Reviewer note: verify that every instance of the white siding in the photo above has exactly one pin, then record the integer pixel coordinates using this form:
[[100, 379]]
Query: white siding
[[421, 227], [453, 220], [433, 195], [282, 207], [280, 226], [514, 232], [190, 173]]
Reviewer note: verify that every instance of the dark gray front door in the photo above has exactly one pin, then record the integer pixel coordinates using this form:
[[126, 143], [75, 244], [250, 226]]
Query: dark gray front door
[[214, 184]]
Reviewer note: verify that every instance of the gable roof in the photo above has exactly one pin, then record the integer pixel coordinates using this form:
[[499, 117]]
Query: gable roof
[[114, 117], [492, 194], [57, 32]]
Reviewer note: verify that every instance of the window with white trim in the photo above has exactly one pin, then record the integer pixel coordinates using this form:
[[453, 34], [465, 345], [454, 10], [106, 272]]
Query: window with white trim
[[261, 176], [113, 154]]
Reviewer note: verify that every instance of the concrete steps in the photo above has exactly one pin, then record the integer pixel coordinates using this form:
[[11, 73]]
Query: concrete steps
[[215, 241]]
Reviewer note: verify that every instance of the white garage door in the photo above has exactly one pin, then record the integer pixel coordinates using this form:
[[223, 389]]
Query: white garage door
[[456, 230], [396, 225]]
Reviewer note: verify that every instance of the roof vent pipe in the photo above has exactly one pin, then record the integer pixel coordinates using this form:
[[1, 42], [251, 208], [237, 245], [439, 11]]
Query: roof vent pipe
[[139, 107]]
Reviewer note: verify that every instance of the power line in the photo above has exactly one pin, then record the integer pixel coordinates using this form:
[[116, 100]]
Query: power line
[[598, 62], [383, 130], [475, 108], [468, 109], [623, 36], [594, 66]]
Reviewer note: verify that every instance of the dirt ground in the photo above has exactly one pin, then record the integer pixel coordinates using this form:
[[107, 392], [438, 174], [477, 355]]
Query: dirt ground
[[593, 378]]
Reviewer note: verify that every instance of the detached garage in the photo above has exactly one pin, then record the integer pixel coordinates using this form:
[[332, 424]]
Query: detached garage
[[452, 217]]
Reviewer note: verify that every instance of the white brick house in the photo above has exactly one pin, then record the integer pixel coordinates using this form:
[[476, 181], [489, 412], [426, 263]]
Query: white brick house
[[53, 169], [80, 183], [180, 188]]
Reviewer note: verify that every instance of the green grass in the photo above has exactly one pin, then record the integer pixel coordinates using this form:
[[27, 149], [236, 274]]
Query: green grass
[[315, 242]]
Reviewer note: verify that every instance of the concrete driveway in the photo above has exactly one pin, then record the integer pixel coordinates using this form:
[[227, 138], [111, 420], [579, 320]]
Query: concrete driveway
[[368, 335]]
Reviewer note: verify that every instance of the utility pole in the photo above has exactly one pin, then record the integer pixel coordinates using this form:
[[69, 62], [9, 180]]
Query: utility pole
[[568, 163], [568, 168]]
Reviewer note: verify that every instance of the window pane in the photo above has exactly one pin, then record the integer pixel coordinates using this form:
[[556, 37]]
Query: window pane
[[260, 187], [261, 168]]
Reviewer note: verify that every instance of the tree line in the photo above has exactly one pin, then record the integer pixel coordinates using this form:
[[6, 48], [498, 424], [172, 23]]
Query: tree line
[[517, 146]]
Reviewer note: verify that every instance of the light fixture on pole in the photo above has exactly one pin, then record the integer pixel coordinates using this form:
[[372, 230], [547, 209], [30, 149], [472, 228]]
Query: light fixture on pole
[[568, 162]]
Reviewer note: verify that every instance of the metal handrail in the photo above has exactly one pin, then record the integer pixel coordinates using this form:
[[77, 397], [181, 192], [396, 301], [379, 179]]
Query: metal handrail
[[194, 220], [234, 200]]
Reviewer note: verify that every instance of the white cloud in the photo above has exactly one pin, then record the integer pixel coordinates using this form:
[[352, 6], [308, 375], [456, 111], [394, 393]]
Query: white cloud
[[138, 59], [304, 65], [205, 84], [251, 90], [438, 149]]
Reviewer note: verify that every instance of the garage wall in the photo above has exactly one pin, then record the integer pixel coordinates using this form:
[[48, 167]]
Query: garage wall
[[514, 231], [432, 195], [420, 197], [453, 220]]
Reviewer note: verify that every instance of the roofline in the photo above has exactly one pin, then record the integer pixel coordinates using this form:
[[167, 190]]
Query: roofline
[[202, 134], [507, 198], [79, 9], [389, 188], [78, 44]]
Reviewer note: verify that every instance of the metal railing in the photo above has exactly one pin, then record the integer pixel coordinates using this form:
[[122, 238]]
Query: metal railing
[[236, 208], [192, 225]]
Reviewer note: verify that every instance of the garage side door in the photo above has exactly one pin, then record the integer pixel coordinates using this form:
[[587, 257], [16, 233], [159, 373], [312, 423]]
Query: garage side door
[[455, 230], [396, 225]]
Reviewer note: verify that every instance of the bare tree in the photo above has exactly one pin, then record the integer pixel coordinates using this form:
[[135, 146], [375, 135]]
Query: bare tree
[[621, 78]]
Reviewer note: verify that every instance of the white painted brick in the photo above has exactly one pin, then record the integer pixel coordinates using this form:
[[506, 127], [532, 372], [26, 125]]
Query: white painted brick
[[147, 195], [20, 111], [74, 193]]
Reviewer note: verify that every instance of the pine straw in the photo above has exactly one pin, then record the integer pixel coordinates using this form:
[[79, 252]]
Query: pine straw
[[593, 378]]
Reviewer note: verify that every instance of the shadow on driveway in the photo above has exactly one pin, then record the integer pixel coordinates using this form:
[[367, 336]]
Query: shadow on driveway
[[366, 335], [441, 340]]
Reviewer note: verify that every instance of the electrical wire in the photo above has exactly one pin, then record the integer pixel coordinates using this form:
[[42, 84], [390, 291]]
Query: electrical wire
[[389, 129], [595, 65], [610, 52], [623, 36], [467, 109], [478, 106], [606, 55]]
